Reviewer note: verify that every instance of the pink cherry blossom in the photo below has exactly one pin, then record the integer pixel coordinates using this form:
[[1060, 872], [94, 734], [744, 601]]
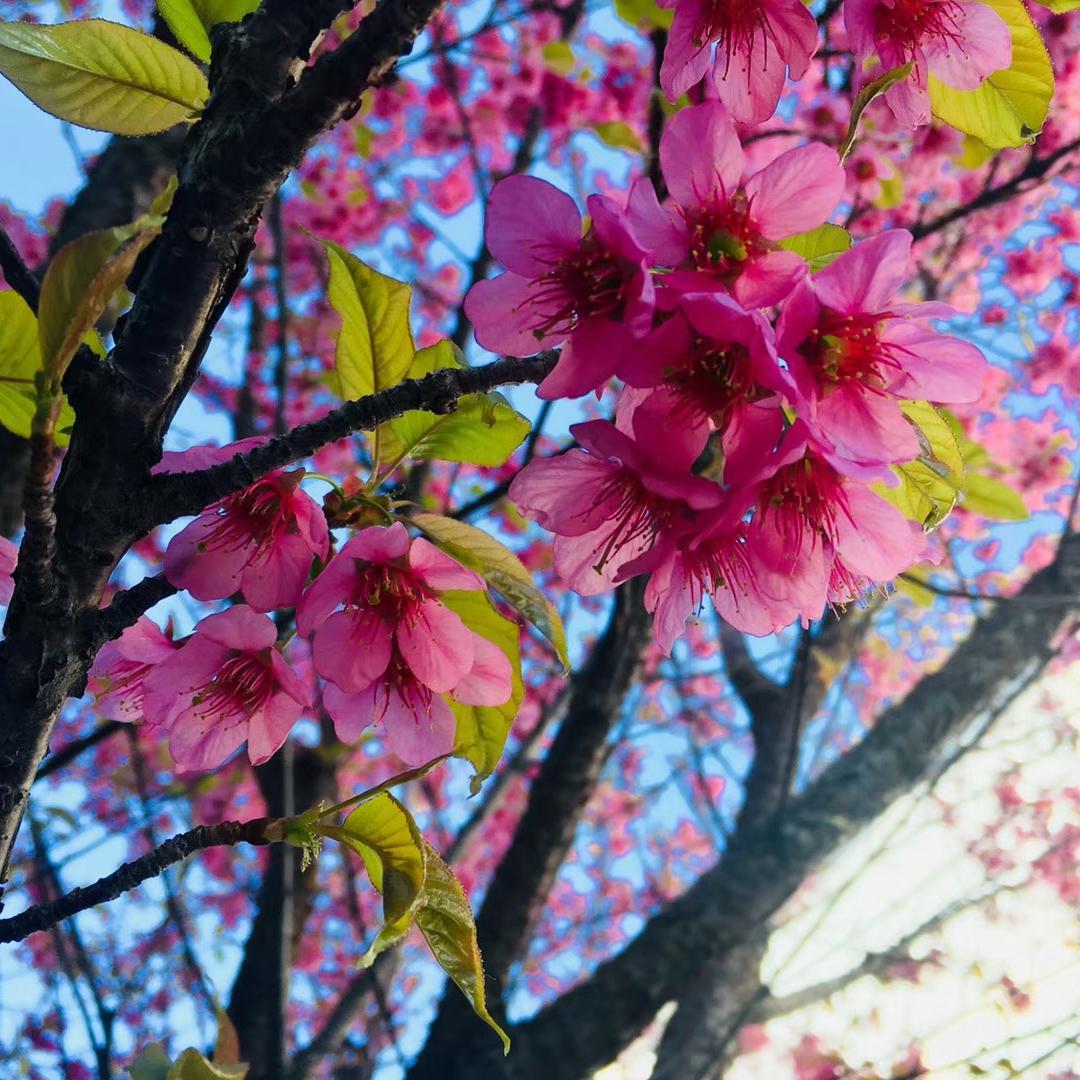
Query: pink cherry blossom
[[957, 42], [225, 685], [756, 41], [722, 233], [610, 503], [594, 292], [9, 556], [855, 353], [419, 724], [259, 542], [121, 667]]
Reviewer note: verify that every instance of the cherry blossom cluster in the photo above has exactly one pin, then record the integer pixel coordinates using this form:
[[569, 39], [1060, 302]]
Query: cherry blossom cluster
[[387, 646], [760, 402]]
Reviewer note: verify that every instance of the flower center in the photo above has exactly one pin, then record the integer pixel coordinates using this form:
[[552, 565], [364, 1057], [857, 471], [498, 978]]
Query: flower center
[[724, 236], [721, 563], [391, 590], [806, 492], [635, 516], [586, 284], [240, 687], [712, 381], [848, 348], [251, 518], [733, 24], [908, 24]]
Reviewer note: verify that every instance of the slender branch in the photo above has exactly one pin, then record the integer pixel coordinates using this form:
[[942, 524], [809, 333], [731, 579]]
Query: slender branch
[[16, 273], [174, 495], [132, 874]]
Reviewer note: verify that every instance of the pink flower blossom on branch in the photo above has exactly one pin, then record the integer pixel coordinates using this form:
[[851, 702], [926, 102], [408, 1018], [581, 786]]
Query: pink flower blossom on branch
[[9, 556], [121, 667]]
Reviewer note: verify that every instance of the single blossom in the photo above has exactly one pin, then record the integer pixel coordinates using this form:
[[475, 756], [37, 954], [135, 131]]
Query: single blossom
[[594, 292], [722, 233], [855, 352], [120, 669], [9, 556], [225, 685], [825, 535], [611, 502], [756, 43], [958, 42], [394, 649], [259, 542], [418, 723]]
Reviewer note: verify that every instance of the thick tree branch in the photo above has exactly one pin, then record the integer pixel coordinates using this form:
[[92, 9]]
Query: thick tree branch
[[589, 1025], [132, 874]]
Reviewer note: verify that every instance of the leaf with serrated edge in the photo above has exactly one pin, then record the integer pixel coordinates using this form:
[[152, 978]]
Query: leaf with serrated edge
[[102, 75], [501, 569], [186, 26], [446, 921], [374, 344]]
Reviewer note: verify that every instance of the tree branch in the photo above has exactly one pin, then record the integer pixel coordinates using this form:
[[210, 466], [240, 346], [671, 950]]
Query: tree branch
[[132, 874], [16, 273]]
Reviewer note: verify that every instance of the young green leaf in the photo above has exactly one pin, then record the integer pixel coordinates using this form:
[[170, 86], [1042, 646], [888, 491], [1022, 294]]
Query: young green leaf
[[501, 569], [482, 729], [936, 435], [212, 12], [374, 345], [446, 921], [819, 246], [20, 361], [101, 75], [155, 1064], [863, 99], [483, 429], [993, 498], [183, 20], [382, 832], [1010, 107], [80, 281], [620, 135]]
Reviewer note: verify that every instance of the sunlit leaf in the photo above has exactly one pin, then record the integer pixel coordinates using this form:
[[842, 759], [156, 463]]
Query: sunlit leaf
[[101, 75], [620, 135], [868, 94], [483, 429], [501, 569], [446, 922], [374, 344], [993, 498], [1010, 107], [183, 20], [212, 12], [936, 435], [644, 14], [558, 57], [819, 246], [482, 730], [382, 832]]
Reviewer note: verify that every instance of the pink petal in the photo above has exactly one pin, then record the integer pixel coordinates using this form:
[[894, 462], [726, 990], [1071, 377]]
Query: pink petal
[[276, 578], [351, 713], [936, 366], [378, 544], [208, 573], [352, 648], [203, 457], [873, 538], [867, 276], [866, 427], [750, 83], [268, 729], [685, 60], [769, 279], [797, 191], [658, 228], [504, 317], [980, 46], [795, 32], [199, 741], [563, 493], [239, 628], [418, 735], [587, 361], [700, 154], [436, 645], [329, 590], [169, 686], [438, 570], [490, 679], [530, 223]]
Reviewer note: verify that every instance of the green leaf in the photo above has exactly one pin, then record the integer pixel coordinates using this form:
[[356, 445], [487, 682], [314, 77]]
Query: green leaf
[[923, 494], [819, 246], [620, 135], [212, 12], [80, 281], [191, 1065], [482, 729], [936, 435], [183, 20], [20, 361], [483, 429], [101, 75], [869, 93], [644, 14], [1010, 107], [992, 498], [558, 57], [501, 569], [446, 922], [374, 345], [153, 1063], [382, 832]]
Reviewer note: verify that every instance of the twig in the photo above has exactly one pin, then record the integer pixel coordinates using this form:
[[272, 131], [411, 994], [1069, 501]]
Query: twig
[[17, 274]]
